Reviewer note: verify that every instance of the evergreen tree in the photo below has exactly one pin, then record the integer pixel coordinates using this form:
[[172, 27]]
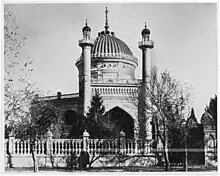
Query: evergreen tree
[[192, 115], [97, 124], [97, 109]]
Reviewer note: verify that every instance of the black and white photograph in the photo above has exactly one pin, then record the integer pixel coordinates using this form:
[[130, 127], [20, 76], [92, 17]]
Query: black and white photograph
[[109, 87]]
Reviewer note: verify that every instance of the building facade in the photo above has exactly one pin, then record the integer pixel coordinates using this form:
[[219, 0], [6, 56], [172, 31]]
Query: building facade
[[107, 66]]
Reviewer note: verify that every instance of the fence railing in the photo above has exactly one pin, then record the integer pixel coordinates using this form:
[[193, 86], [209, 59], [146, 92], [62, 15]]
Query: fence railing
[[62, 147], [66, 146]]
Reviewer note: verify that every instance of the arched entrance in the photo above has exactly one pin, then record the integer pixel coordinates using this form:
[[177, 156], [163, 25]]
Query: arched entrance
[[122, 121]]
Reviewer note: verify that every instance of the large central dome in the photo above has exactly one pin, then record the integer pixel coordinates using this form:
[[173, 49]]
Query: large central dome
[[108, 46], [111, 59]]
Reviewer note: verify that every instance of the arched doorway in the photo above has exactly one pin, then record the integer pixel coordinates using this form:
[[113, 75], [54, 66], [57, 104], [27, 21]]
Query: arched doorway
[[122, 121]]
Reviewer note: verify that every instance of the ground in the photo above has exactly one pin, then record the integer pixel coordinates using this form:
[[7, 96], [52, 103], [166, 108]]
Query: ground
[[118, 169]]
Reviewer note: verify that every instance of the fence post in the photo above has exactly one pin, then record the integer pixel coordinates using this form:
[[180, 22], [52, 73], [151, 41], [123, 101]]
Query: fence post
[[84, 155], [121, 146], [85, 141], [11, 143], [122, 141], [136, 133], [49, 143]]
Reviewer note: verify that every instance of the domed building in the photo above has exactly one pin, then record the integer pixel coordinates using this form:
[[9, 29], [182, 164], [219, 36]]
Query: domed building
[[107, 66]]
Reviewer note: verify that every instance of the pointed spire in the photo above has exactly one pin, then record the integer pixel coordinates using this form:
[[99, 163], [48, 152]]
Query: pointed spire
[[145, 25], [106, 19], [86, 22]]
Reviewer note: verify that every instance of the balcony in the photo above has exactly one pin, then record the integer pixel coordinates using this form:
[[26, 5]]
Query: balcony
[[146, 44], [86, 41]]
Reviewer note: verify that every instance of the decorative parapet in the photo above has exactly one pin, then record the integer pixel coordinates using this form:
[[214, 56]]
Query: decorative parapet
[[64, 96], [122, 82], [116, 91]]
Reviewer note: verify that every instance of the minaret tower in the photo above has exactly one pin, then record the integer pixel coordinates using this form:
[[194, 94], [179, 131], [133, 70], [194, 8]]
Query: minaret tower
[[86, 44], [146, 45]]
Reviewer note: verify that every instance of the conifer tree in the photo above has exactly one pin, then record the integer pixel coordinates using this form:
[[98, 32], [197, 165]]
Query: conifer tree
[[97, 109], [97, 124]]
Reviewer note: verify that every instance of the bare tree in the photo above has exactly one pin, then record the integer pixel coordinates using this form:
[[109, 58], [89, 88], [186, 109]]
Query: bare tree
[[167, 102], [25, 116], [32, 127], [18, 90]]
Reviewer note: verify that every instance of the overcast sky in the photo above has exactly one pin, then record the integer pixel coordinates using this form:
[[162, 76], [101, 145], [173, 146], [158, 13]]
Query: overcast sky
[[185, 37]]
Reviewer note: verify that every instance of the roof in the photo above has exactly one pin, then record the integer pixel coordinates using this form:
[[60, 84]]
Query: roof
[[107, 45], [61, 96]]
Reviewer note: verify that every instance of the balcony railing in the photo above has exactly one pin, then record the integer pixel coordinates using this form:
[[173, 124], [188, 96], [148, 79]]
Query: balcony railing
[[149, 43], [116, 81]]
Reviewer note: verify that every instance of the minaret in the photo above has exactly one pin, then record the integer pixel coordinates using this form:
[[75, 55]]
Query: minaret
[[86, 44], [146, 45]]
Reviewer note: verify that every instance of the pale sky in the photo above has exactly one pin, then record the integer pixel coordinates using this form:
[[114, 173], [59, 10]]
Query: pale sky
[[185, 37]]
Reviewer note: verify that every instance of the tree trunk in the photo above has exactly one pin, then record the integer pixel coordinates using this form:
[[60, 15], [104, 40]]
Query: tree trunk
[[34, 157], [166, 156]]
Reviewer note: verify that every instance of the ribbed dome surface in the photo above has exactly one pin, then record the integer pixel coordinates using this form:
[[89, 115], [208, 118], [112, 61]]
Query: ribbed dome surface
[[107, 45]]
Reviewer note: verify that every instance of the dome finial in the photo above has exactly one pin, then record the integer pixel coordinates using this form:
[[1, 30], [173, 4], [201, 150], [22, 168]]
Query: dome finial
[[145, 31], [86, 27], [106, 19]]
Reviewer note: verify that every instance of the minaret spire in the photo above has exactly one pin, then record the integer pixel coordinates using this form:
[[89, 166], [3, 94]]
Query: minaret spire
[[106, 19]]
